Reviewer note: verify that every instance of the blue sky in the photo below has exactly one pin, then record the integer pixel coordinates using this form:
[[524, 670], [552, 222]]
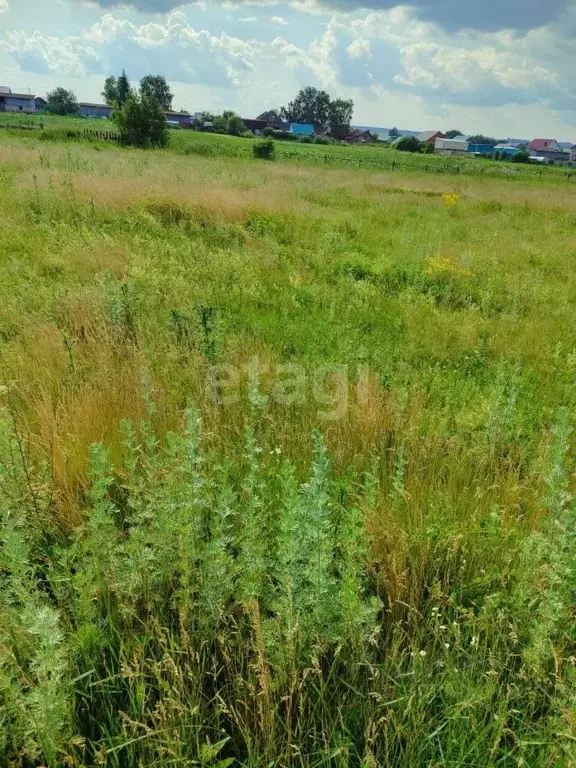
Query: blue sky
[[503, 67]]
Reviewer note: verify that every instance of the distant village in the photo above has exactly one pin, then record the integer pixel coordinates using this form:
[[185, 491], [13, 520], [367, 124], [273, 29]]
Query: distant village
[[545, 151]]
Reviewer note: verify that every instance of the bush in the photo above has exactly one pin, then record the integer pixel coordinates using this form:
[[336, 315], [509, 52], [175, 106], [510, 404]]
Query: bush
[[264, 150], [141, 122], [323, 140], [307, 140], [268, 132], [521, 157], [409, 144]]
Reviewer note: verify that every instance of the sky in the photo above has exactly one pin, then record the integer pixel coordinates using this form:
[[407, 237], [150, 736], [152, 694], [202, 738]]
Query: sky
[[505, 68]]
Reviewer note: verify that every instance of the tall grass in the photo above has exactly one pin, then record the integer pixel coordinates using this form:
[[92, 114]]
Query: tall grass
[[202, 574]]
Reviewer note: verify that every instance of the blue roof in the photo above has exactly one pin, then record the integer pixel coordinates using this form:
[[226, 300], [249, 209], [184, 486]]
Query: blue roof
[[483, 149], [302, 129]]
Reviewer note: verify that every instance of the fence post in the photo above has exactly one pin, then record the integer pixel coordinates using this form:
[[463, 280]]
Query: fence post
[[393, 165]]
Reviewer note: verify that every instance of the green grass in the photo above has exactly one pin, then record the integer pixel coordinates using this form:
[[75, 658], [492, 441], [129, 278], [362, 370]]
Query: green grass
[[369, 157], [286, 462]]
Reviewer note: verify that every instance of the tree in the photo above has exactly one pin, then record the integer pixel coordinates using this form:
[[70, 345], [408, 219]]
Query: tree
[[110, 91], [232, 123], [409, 144], [123, 89], [157, 87], [61, 102], [340, 117], [394, 133], [479, 138], [309, 106], [453, 133], [141, 122]]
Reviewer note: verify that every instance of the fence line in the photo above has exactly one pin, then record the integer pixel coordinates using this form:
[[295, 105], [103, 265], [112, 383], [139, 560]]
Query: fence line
[[447, 168]]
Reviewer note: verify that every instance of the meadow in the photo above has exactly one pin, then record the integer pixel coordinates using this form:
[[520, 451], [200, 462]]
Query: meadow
[[286, 463], [371, 157]]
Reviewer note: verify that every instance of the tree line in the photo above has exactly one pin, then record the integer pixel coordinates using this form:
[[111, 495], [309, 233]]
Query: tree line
[[139, 112]]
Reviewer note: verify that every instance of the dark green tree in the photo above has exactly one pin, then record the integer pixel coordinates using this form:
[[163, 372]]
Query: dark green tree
[[316, 107], [309, 106], [141, 122], [123, 89], [61, 102], [479, 138], [340, 117], [157, 87], [453, 133], [110, 90]]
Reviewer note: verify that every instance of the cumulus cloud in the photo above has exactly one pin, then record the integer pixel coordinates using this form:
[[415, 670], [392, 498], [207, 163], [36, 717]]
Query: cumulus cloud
[[452, 14], [174, 48], [3, 5], [360, 55]]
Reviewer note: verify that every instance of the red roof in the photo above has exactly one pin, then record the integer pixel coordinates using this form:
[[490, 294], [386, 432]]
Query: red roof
[[543, 145]]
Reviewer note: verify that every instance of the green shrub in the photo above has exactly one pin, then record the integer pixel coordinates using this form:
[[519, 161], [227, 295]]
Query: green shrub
[[264, 150], [141, 122], [409, 144]]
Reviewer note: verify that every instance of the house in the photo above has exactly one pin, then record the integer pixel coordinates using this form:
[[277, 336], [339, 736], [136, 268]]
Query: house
[[176, 119], [457, 146], [547, 148], [20, 102], [361, 137], [256, 126], [429, 137], [481, 149], [273, 119], [508, 150], [95, 110], [301, 129]]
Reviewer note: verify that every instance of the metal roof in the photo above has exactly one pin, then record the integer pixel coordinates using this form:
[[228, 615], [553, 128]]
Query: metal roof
[[23, 96]]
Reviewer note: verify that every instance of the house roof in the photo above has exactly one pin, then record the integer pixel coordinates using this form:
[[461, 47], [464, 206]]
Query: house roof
[[89, 104], [358, 132], [22, 96], [270, 116], [171, 113], [545, 145], [427, 135]]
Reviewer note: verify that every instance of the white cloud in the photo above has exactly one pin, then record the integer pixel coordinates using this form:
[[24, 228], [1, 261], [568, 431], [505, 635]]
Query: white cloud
[[4, 5], [278, 20], [359, 49], [173, 48]]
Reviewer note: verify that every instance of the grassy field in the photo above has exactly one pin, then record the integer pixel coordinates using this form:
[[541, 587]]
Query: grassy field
[[370, 157], [286, 463]]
